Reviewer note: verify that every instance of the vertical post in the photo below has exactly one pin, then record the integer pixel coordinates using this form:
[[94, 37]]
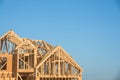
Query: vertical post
[[62, 64], [36, 77], [59, 62], [49, 66], [54, 67], [64, 68], [17, 64], [24, 61], [9, 62], [35, 57]]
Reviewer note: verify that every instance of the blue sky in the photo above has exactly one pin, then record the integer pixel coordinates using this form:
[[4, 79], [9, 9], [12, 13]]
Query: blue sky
[[89, 30]]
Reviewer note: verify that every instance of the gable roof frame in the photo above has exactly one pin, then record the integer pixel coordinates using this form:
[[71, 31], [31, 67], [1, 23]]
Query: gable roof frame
[[49, 54], [24, 42], [11, 33]]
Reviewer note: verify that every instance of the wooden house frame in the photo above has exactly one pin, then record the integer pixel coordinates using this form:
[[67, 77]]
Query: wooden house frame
[[25, 59]]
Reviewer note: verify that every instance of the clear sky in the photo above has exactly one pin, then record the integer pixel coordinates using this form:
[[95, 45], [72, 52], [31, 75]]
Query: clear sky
[[89, 30]]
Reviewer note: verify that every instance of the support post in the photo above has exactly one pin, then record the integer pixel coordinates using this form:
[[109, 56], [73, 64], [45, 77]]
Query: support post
[[59, 73]]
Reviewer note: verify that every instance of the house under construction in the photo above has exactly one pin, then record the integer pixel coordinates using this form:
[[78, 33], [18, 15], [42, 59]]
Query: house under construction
[[26, 59]]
